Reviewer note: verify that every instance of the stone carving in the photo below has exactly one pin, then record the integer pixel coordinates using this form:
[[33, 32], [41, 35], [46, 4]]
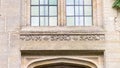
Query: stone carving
[[62, 37]]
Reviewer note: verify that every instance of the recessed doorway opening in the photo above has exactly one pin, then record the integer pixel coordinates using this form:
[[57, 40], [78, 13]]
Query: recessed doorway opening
[[62, 65]]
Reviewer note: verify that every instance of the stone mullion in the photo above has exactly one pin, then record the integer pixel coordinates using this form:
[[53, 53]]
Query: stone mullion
[[59, 12], [94, 15], [63, 13]]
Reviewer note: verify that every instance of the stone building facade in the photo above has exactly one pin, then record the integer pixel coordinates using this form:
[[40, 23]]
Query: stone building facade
[[24, 46]]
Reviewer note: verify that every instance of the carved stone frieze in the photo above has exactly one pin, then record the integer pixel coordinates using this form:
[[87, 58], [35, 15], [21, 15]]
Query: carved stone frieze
[[62, 37]]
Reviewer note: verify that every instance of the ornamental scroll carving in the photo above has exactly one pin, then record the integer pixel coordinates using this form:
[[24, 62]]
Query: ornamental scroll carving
[[62, 37]]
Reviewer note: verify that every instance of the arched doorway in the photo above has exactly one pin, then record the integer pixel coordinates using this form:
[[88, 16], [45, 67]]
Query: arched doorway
[[62, 65]]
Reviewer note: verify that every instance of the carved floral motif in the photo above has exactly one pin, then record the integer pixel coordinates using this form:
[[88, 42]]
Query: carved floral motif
[[62, 37]]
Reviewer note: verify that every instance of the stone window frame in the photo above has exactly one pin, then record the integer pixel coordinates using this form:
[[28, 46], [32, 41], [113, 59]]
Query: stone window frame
[[97, 21]]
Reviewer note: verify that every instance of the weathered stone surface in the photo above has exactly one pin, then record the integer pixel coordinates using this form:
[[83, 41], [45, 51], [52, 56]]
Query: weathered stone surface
[[14, 17], [4, 50]]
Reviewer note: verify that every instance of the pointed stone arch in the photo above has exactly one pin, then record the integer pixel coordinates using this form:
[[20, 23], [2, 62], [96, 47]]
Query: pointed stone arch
[[66, 61]]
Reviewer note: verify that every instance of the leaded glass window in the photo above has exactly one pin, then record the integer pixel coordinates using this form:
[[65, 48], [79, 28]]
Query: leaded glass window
[[44, 12], [61, 13], [79, 12]]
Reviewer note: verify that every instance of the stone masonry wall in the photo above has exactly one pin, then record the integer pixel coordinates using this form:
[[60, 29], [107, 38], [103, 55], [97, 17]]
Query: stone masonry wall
[[11, 45]]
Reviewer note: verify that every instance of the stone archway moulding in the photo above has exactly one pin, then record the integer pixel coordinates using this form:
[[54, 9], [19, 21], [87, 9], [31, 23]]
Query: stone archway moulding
[[77, 61]]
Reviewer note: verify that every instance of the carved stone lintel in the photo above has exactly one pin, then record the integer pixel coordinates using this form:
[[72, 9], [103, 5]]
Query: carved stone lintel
[[62, 37]]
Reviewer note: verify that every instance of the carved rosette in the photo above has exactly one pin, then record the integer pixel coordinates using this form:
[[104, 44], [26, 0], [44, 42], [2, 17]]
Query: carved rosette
[[62, 37]]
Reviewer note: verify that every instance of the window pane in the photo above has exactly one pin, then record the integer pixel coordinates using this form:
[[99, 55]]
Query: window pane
[[53, 10], [43, 2], [88, 21], [34, 2], [52, 21], [70, 2], [70, 21], [53, 2], [79, 21], [43, 21], [79, 2], [34, 21], [44, 10], [88, 10], [87, 2], [35, 10], [79, 10], [70, 10]]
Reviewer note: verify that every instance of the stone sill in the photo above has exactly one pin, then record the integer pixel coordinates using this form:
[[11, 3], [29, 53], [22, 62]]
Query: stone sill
[[62, 30]]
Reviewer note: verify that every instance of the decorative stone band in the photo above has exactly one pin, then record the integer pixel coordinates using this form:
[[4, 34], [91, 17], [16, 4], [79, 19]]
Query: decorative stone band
[[62, 37]]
